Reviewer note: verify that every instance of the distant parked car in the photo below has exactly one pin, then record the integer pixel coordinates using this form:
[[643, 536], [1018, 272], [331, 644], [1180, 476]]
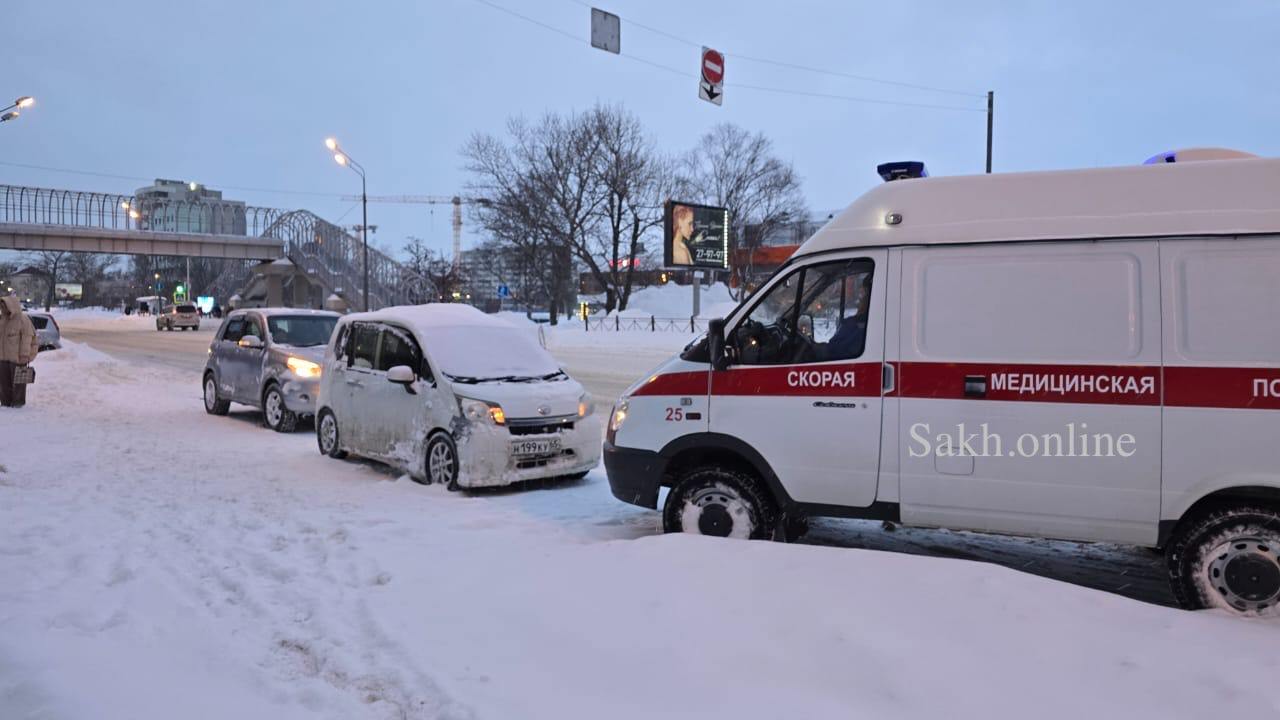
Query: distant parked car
[[48, 336], [186, 317], [453, 396], [268, 358]]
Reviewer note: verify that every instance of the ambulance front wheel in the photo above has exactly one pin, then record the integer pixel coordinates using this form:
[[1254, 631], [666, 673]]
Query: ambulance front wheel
[[719, 501]]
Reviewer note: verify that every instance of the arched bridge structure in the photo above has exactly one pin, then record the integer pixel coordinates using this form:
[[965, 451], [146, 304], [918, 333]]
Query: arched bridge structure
[[274, 256]]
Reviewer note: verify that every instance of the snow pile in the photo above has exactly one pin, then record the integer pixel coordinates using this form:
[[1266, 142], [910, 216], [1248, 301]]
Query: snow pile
[[158, 562], [674, 301]]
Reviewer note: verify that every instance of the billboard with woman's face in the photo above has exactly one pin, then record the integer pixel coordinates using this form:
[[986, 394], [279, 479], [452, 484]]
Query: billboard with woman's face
[[695, 236]]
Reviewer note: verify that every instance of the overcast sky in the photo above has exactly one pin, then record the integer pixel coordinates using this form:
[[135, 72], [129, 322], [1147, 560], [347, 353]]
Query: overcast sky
[[239, 94]]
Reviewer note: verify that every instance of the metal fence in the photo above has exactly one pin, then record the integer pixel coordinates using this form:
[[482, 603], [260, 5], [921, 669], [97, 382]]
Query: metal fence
[[652, 323]]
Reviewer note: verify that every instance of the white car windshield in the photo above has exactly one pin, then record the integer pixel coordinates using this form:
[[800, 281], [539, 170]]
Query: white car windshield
[[489, 354]]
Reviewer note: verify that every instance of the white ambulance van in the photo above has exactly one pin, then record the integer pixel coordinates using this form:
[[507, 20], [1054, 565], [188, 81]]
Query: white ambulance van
[[1087, 355]]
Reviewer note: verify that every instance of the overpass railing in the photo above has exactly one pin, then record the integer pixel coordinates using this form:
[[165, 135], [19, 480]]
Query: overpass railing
[[78, 208]]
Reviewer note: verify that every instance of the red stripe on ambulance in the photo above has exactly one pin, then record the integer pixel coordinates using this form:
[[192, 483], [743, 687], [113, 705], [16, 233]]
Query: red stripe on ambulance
[[1222, 387], [1098, 384]]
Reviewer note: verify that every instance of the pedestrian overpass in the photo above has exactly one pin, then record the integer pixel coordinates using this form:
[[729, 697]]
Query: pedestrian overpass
[[275, 257]]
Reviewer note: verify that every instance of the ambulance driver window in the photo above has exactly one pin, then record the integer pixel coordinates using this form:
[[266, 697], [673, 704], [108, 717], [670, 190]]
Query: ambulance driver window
[[816, 314]]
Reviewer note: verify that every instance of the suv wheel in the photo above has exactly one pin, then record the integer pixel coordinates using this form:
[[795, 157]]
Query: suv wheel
[[1228, 557], [719, 501], [275, 414], [213, 404], [442, 461], [327, 435]]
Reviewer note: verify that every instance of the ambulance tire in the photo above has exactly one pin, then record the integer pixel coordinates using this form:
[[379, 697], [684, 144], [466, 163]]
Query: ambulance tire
[[1228, 557], [719, 501]]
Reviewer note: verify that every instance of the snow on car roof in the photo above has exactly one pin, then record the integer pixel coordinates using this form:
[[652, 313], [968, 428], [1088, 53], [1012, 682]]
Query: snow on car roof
[[433, 315], [270, 312], [463, 341]]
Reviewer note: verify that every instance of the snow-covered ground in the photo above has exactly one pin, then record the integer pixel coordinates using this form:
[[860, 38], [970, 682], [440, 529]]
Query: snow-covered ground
[[156, 562]]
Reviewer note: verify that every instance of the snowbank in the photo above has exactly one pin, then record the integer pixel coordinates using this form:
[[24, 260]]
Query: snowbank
[[161, 563], [674, 301]]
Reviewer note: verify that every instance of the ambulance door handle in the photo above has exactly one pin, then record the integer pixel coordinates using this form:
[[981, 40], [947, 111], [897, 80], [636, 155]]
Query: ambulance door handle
[[887, 378], [975, 386]]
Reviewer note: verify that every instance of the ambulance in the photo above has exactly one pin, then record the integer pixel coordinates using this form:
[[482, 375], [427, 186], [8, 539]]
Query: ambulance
[[1088, 355]]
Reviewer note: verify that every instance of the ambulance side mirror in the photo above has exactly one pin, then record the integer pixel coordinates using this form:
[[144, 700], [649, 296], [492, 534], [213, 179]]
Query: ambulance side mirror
[[715, 344]]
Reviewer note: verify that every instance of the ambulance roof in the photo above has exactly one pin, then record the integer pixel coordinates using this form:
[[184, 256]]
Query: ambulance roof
[[1208, 197]]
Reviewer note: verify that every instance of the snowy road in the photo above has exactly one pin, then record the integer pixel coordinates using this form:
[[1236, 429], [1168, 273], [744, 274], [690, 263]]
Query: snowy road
[[607, 364], [156, 562]]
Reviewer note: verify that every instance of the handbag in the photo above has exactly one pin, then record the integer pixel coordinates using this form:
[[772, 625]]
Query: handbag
[[24, 375]]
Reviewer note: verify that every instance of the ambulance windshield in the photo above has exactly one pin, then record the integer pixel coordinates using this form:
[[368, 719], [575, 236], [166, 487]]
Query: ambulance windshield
[[815, 314]]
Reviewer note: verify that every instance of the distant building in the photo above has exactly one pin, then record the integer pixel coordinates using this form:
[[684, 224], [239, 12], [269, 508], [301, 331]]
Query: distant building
[[176, 206], [28, 284], [763, 255]]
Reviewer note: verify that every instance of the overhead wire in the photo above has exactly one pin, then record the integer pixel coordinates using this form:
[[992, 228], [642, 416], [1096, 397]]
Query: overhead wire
[[792, 65]]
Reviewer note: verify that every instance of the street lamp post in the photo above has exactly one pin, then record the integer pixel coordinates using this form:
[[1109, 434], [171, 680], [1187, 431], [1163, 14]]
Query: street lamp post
[[343, 158], [11, 112]]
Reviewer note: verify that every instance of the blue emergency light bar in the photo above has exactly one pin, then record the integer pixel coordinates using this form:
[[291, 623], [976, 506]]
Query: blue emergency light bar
[[904, 170], [1164, 157]]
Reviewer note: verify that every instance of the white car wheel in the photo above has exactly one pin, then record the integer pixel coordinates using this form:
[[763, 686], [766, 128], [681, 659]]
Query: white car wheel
[[442, 461]]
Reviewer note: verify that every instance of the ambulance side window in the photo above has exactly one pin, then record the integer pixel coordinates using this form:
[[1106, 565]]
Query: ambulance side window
[[816, 314]]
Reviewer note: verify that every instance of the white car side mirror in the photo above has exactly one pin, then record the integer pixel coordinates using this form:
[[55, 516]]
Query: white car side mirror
[[253, 342], [401, 375]]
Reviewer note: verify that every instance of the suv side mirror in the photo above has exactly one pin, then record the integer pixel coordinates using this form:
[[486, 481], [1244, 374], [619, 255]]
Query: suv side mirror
[[251, 342], [715, 344], [402, 375]]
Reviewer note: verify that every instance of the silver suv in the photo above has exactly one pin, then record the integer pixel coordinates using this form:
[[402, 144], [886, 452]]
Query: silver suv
[[184, 316], [268, 358], [48, 335]]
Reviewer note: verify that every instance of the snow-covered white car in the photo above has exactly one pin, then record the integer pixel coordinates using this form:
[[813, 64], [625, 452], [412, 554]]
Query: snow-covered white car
[[453, 396]]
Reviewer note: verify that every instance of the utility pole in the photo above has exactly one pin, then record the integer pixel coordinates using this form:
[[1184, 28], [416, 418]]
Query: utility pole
[[991, 111], [364, 233]]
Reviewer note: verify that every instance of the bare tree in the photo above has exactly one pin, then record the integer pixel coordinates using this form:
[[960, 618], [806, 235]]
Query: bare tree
[[446, 277], [737, 170], [634, 179], [543, 192], [48, 263], [90, 270]]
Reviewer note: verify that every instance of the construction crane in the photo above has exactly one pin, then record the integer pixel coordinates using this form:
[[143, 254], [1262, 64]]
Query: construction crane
[[456, 201]]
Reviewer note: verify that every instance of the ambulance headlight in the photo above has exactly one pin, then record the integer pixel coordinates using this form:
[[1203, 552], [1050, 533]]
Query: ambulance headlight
[[618, 417], [482, 411], [586, 405]]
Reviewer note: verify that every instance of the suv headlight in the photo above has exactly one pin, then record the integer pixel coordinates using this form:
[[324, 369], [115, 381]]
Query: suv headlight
[[302, 368], [480, 411], [586, 405]]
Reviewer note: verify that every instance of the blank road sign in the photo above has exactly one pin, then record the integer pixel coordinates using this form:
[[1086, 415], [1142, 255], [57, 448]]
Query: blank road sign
[[606, 31]]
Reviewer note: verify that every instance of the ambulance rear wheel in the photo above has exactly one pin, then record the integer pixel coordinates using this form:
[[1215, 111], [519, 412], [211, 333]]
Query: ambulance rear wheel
[[721, 502]]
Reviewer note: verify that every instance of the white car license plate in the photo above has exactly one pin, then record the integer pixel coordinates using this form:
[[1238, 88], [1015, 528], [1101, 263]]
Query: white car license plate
[[541, 446]]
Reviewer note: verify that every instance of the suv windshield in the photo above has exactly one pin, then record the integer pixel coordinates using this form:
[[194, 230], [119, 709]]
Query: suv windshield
[[301, 330], [186, 308]]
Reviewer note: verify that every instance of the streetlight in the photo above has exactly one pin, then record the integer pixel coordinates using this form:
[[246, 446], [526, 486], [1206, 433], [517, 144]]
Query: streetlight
[[11, 112], [342, 158]]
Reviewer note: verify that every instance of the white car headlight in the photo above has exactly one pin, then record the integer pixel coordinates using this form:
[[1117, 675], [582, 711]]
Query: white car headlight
[[480, 411], [586, 405]]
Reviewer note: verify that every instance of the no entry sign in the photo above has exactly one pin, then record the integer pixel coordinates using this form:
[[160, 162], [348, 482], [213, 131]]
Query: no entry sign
[[711, 84]]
